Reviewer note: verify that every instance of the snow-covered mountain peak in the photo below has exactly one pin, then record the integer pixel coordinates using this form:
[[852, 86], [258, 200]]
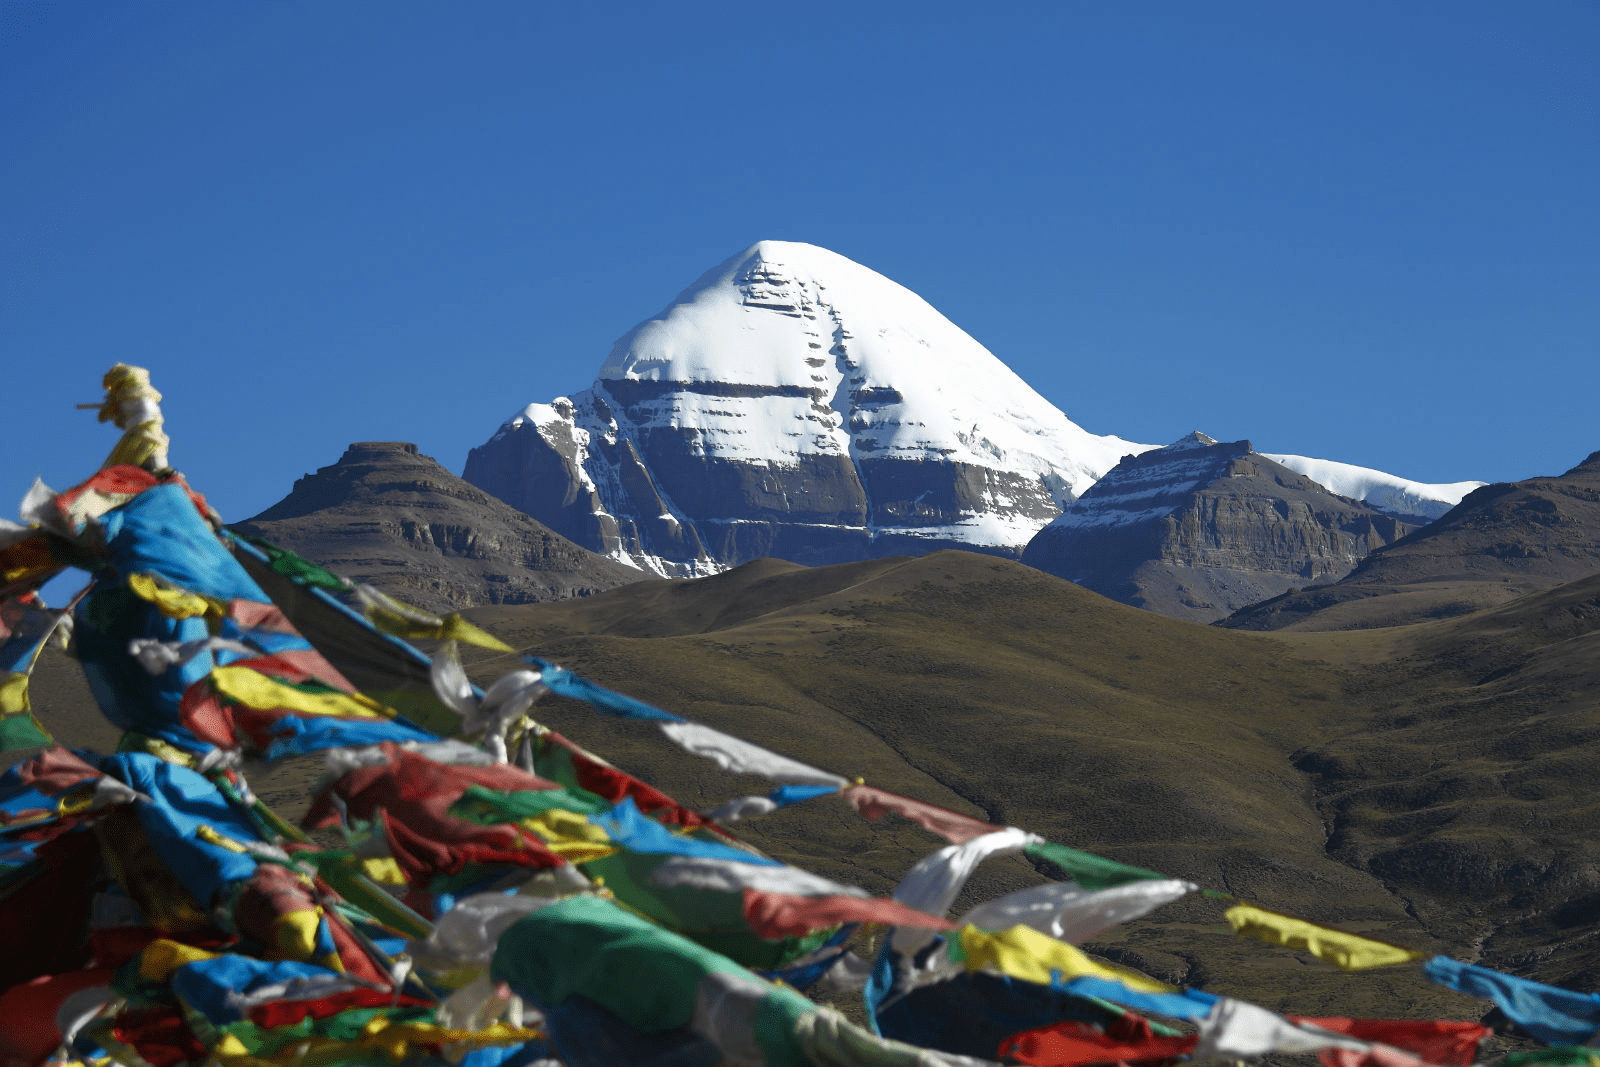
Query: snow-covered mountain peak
[[790, 315], [792, 401], [884, 371], [766, 315]]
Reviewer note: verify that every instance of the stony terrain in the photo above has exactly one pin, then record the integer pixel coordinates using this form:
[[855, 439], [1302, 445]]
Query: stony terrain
[[1502, 541], [389, 516], [1198, 529]]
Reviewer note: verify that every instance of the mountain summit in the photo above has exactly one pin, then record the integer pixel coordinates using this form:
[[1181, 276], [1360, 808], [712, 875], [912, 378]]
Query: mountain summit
[[794, 403], [387, 515]]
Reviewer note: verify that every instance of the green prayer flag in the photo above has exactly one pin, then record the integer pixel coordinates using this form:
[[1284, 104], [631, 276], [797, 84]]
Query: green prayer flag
[[297, 569], [1087, 869], [487, 807], [22, 730]]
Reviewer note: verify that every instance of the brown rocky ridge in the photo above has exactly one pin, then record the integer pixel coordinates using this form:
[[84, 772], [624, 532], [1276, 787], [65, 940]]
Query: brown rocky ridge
[[391, 517], [1501, 542], [1198, 529]]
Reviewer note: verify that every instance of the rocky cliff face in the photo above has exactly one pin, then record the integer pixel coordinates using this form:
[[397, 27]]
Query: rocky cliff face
[[795, 404], [1198, 529], [1501, 542], [389, 516]]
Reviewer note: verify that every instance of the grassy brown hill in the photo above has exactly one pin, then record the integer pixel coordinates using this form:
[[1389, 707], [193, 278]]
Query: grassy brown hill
[[1427, 785], [389, 516], [1501, 542]]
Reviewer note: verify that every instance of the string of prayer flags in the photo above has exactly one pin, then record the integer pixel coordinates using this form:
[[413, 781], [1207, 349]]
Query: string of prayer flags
[[380, 665], [172, 585], [301, 571], [155, 911]]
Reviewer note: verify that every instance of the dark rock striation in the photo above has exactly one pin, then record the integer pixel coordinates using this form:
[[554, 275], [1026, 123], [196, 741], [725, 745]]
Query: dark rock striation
[[1197, 530], [1501, 542], [793, 404], [389, 516]]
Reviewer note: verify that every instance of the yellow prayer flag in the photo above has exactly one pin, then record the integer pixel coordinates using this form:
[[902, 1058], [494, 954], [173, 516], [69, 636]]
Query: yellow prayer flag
[[140, 445], [570, 835], [383, 870], [448, 628], [1025, 953], [456, 628], [1343, 950], [160, 958], [294, 937], [14, 693], [254, 689], [173, 602], [400, 619]]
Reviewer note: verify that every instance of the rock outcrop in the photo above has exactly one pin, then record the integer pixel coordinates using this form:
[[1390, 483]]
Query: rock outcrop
[[389, 516], [794, 404], [1197, 530], [1501, 542]]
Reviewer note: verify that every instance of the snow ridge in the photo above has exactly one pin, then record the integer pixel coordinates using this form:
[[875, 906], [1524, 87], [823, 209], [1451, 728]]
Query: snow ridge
[[1386, 492]]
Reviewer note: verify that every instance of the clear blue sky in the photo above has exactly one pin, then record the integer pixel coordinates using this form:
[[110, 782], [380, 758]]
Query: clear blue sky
[[1364, 232]]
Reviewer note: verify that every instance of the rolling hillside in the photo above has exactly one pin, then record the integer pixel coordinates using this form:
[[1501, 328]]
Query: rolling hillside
[[1424, 785], [1427, 785]]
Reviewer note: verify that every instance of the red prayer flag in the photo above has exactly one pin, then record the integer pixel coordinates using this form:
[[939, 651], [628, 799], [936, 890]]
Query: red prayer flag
[[775, 915], [1070, 1044], [415, 795], [874, 803], [1453, 1043]]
